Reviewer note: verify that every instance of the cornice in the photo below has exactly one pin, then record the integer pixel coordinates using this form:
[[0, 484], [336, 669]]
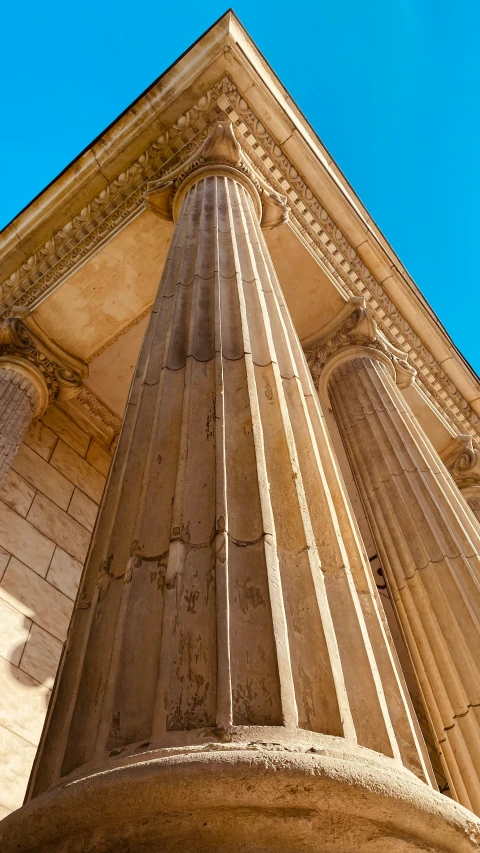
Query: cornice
[[122, 199]]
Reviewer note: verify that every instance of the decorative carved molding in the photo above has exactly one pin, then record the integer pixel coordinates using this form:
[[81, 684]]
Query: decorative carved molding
[[220, 153], [98, 409], [93, 416], [355, 332], [23, 343], [122, 200], [464, 464], [54, 375]]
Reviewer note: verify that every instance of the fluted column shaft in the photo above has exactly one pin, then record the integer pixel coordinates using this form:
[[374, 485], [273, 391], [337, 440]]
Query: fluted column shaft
[[226, 595], [20, 401], [429, 546]]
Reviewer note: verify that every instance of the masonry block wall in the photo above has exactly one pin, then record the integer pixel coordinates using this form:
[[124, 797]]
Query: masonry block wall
[[48, 506]]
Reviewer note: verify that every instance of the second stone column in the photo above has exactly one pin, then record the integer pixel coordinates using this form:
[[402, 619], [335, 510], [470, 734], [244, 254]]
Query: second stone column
[[427, 537]]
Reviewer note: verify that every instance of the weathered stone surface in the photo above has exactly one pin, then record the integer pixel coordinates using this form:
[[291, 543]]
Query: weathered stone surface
[[19, 537], [66, 429], [23, 703], [313, 799], [427, 539], [227, 607], [14, 630], [4, 558], [16, 493], [36, 598], [83, 509], [99, 458], [78, 471], [16, 756], [59, 527], [65, 573], [41, 656], [43, 476], [41, 439]]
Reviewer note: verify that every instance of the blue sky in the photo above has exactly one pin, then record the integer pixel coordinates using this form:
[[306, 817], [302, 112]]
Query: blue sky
[[390, 86]]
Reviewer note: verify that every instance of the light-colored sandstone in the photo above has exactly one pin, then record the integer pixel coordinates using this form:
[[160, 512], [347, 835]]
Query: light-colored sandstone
[[59, 527], [16, 493], [66, 429], [230, 681], [19, 537], [219, 557], [33, 371], [23, 395], [78, 471], [14, 630], [83, 509], [65, 573], [41, 439], [16, 756], [428, 541], [41, 656], [23, 702], [99, 458], [4, 558], [36, 598], [43, 476]]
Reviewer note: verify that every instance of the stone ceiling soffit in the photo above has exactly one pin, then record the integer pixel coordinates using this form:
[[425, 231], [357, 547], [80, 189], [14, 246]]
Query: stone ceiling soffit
[[122, 199]]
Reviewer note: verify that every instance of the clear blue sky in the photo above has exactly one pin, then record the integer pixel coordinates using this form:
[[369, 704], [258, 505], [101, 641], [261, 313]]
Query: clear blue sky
[[390, 86]]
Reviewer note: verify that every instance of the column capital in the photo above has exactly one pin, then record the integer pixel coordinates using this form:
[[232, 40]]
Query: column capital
[[463, 462], [351, 334], [28, 351], [219, 154]]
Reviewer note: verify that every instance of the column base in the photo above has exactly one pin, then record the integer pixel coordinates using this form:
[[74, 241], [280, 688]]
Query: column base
[[255, 797]]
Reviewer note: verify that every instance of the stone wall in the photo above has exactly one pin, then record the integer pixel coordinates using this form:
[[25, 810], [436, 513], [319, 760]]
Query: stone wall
[[48, 505]]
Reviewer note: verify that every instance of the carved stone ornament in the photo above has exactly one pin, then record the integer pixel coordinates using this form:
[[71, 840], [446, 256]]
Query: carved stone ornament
[[464, 464], [24, 347], [220, 153], [354, 331], [33, 372]]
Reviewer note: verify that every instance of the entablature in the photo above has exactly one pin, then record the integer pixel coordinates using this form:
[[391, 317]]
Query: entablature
[[224, 76]]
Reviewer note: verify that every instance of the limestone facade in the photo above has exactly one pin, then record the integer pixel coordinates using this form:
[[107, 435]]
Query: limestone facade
[[299, 432], [48, 506]]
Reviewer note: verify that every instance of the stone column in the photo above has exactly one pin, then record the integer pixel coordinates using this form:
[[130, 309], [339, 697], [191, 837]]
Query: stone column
[[33, 371], [228, 682], [426, 536]]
